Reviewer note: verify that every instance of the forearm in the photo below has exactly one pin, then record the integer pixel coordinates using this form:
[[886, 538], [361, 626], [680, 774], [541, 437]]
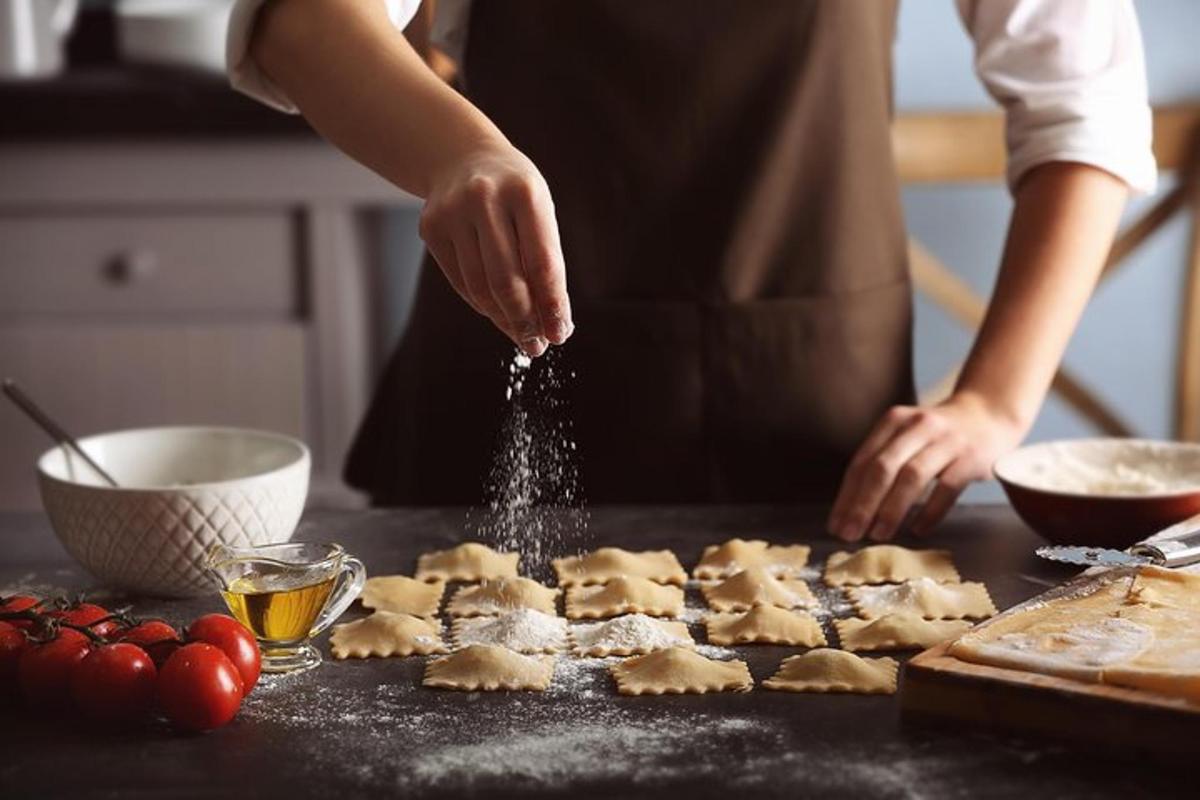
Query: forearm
[[364, 88], [1063, 223]]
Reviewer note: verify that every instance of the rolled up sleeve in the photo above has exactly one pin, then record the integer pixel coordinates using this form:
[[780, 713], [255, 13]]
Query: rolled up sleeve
[[1071, 77]]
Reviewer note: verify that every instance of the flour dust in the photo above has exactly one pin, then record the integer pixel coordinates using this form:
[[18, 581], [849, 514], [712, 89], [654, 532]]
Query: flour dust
[[535, 505]]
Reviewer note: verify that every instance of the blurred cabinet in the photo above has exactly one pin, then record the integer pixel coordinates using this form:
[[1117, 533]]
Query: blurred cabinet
[[208, 282]]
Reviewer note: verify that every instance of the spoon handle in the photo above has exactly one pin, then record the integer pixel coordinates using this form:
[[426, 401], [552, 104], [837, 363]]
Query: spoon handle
[[22, 401]]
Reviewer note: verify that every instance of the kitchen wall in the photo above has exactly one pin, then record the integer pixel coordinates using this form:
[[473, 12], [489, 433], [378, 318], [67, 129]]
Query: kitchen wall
[[1124, 348]]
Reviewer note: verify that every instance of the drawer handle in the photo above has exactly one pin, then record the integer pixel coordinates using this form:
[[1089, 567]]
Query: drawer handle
[[132, 266]]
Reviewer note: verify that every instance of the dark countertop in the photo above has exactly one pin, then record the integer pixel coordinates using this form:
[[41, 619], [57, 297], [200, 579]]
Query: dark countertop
[[367, 729]]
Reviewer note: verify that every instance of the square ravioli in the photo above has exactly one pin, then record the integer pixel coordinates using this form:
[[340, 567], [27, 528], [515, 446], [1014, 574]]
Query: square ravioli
[[889, 563], [469, 562], [600, 566], [899, 631], [632, 634], [678, 670], [489, 668], [924, 597], [765, 625], [402, 595], [735, 555], [756, 586], [386, 633], [828, 670], [524, 630], [499, 595], [624, 596]]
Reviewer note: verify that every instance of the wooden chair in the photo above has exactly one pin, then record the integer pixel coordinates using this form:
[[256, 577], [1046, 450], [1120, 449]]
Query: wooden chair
[[969, 147]]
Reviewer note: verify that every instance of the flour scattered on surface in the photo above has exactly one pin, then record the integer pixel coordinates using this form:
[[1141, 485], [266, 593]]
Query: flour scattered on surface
[[535, 505], [524, 630]]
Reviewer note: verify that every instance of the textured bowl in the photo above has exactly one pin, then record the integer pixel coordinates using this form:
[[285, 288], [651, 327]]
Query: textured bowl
[[182, 489], [1102, 492]]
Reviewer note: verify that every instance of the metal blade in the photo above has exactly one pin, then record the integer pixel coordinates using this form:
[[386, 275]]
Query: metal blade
[[1092, 556]]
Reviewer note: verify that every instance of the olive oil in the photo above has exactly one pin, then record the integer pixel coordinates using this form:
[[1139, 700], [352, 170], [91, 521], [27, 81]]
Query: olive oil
[[275, 611]]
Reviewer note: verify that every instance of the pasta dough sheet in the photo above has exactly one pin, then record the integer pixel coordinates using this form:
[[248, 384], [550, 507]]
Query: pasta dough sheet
[[386, 633], [489, 668], [402, 595], [735, 555], [1139, 629], [889, 563], [828, 670], [498, 595], [899, 631], [470, 561], [924, 597], [679, 670], [600, 566], [765, 625], [756, 586], [624, 596]]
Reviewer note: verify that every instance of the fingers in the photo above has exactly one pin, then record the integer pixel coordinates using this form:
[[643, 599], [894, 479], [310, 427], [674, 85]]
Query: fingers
[[902, 434], [506, 279], [940, 501], [912, 481], [474, 278], [542, 262]]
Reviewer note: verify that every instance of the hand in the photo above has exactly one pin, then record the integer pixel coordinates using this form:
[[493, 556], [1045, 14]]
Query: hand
[[489, 223], [912, 451]]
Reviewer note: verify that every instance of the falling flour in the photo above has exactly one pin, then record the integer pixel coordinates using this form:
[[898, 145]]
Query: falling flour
[[534, 502]]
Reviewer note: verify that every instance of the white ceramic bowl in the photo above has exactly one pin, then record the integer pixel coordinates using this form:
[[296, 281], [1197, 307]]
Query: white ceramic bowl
[[181, 489]]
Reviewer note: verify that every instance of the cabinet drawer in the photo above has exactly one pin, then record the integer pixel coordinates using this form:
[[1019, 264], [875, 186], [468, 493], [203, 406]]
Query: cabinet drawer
[[148, 263], [98, 377]]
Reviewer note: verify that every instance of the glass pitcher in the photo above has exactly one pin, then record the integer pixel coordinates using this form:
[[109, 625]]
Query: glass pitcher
[[286, 594]]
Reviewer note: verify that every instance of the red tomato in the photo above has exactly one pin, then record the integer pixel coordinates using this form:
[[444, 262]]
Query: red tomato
[[19, 602], [44, 670], [115, 682], [12, 644], [86, 615], [154, 636], [199, 688], [234, 639]]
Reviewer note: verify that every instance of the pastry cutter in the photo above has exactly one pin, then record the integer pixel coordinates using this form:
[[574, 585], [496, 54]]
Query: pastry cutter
[[1176, 546]]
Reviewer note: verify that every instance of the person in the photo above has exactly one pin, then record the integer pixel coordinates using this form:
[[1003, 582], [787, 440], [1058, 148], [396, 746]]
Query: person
[[715, 185]]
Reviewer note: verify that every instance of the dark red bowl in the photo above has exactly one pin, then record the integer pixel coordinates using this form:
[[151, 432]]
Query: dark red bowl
[[1107, 517]]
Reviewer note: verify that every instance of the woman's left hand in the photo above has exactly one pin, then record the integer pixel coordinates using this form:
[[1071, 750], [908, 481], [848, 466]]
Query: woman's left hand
[[912, 451]]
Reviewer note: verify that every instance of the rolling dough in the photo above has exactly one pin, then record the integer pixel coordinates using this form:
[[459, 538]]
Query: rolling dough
[[632, 634], [489, 668], [828, 670], [660, 566], [524, 630], [735, 555], [469, 561], [923, 596], [498, 595], [624, 596], [756, 586], [386, 633], [899, 631], [765, 625], [678, 670], [888, 563], [402, 595]]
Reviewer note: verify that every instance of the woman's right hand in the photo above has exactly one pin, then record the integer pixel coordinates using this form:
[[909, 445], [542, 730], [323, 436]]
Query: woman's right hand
[[489, 223]]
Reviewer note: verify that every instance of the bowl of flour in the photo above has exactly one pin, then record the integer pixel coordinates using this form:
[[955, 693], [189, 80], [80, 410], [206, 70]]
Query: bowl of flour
[[1102, 492]]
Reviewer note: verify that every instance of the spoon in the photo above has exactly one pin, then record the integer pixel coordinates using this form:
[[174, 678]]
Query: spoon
[[43, 420]]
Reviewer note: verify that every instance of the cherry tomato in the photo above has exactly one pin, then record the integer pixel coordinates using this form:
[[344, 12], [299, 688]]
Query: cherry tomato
[[234, 639], [20, 602], [44, 670], [154, 636], [12, 644], [86, 615], [199, 688], [115, 682]]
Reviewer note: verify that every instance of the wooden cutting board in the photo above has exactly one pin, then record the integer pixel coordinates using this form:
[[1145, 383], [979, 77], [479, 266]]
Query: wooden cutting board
[[939, 688]]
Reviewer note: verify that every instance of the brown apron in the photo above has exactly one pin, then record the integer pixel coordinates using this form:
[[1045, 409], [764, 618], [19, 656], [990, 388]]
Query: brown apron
[[735, 251]]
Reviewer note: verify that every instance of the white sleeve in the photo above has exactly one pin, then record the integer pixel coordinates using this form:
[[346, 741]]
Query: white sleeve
[[1071, 76], [244, 74]]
